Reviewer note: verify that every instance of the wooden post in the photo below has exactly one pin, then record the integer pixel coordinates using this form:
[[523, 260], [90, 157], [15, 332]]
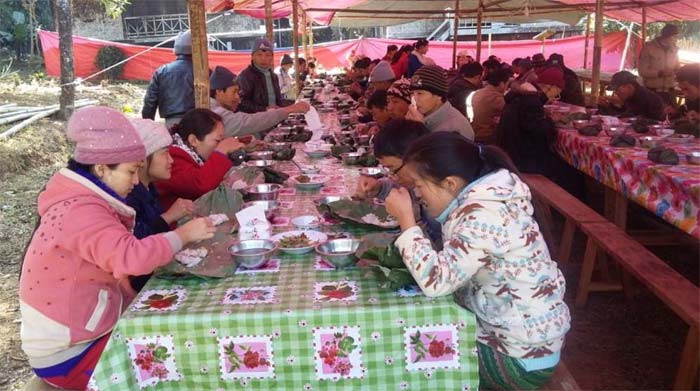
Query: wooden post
[[627, 46], [644, 25], [311, 37], [489, 45], [295, 44], [200, 61], [64, 15], [304, 36], [597, 50], [268, 22], [479, 15], [588, 35], [455, 33]]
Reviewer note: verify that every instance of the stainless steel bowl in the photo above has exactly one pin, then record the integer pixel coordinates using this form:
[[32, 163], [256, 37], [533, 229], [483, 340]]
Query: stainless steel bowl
[[374, 172], [339, 252], [655, 128], [580, 123], [649, 141], [272, 208], [665, 132], [261, 155], [263, 192], [260, 163], [615, 130], [693, 157], [310, 170], [328, 199], [351, 157], [276, 147], [252, 254]]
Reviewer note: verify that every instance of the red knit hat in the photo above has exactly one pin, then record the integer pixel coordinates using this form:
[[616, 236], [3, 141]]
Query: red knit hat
[[552, 76]]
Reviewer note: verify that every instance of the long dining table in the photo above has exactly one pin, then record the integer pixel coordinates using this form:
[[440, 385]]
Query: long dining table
[[295, 324], [671, 192]]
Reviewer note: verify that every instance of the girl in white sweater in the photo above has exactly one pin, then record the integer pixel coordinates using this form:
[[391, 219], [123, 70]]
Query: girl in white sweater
[[494, 259]]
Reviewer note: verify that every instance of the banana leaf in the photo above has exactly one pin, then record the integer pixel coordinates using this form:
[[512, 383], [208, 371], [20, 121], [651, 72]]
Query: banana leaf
[[220, 200], [338, 150], [685, 126], [382, 260], [284, 154], [362, 213]]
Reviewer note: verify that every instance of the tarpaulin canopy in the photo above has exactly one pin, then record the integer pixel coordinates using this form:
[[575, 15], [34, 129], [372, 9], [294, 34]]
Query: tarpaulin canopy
[[656, 10], [366, 13], [329, 55]]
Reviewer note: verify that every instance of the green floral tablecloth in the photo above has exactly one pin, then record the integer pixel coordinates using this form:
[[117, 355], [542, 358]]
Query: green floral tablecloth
[[296, 324]]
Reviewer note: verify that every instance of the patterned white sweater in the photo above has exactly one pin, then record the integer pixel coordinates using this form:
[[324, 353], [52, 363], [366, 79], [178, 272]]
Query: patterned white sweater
[[497, 265]]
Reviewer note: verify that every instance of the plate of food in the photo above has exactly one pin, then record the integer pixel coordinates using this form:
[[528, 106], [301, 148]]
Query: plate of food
[[361, 212], [308, 182], [298, 242]]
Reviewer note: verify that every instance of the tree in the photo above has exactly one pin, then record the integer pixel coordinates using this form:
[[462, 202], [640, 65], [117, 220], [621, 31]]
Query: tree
[[64, 18]]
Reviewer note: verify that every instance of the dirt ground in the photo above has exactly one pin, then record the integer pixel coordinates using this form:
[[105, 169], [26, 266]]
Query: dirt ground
[[613, 344]]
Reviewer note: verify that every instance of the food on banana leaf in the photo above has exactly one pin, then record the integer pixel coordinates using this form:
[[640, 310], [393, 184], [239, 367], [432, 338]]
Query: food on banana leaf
[[296, 241], [686, 126], [641, 125], [590, 130], [382, 260], [338, 150], [303, 179]]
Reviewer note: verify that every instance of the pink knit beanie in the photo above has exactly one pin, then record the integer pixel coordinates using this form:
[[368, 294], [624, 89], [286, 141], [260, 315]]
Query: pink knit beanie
[[104, 136], [154, 135]]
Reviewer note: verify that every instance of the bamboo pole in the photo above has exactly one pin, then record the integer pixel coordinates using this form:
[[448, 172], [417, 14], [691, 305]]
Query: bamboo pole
[[311, 37], [644, 25], [588, 35], [295, 45], [597, 50], [42, 114], [479, 17], [269, 32], [200, 61], [627, 46], [455, 33], [304, 36]]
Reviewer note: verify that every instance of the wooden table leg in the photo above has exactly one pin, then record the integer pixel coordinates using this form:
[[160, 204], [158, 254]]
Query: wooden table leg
[[690, 361], [616, 212]]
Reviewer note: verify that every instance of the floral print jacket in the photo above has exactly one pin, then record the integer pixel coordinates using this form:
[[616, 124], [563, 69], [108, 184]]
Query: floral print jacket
[[497, 265]]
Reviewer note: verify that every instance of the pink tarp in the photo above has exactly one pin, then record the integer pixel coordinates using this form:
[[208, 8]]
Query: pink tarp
[[280, 9], [657, 10], [330, 55]]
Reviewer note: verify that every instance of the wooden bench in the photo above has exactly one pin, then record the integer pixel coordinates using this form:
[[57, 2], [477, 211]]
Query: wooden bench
[[548, 195], [561, 380], [669, 286]]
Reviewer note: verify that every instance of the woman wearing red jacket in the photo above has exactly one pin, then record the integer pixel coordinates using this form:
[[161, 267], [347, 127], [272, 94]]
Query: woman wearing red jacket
[[199, 153]]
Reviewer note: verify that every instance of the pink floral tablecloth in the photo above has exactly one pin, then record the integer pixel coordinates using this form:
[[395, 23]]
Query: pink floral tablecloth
[[671, 192]]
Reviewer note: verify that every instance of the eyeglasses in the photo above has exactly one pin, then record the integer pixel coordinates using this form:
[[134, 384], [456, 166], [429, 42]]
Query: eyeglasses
[[395, 173]]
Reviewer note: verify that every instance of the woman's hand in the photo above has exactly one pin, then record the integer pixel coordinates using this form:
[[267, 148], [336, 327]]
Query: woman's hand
[[180, 208], [196, 230], [399, 205], [229, 145]]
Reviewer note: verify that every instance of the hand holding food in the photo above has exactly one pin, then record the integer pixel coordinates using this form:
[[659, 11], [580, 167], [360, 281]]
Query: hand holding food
[[399, 205]]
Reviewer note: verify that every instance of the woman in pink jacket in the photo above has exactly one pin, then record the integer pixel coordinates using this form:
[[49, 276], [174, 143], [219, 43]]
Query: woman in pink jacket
[[73, 285]]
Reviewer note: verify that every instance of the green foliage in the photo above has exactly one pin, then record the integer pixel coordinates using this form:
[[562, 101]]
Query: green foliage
[[108, 56], [114, 8]]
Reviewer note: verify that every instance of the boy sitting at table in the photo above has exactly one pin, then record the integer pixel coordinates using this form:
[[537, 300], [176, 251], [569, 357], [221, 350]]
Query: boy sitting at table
[[389, 146]]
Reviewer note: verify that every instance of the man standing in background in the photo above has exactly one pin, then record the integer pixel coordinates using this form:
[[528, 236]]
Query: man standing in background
[[658, 63]]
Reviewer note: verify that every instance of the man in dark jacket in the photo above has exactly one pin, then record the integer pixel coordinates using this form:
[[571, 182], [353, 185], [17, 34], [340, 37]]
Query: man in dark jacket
[[632, 99], [171, 90], [260, 88], [571, 93], [528, 136], [467, 81]]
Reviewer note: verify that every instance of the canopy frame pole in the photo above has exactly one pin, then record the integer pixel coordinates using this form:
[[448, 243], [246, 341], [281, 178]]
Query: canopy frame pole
[[269, 30], [627, 46], [644, 25], [311, 38], [597, 50], [455, 33], [200, 62], [304, 36], [295, 45], [489, 45], [588, 36], [479, 15]]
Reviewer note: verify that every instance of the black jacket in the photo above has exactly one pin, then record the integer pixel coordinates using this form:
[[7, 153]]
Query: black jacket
[[644, 103], [525, 132], [254, 90], [171, 90], [528, 136], [572, 93], [458, 92]]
